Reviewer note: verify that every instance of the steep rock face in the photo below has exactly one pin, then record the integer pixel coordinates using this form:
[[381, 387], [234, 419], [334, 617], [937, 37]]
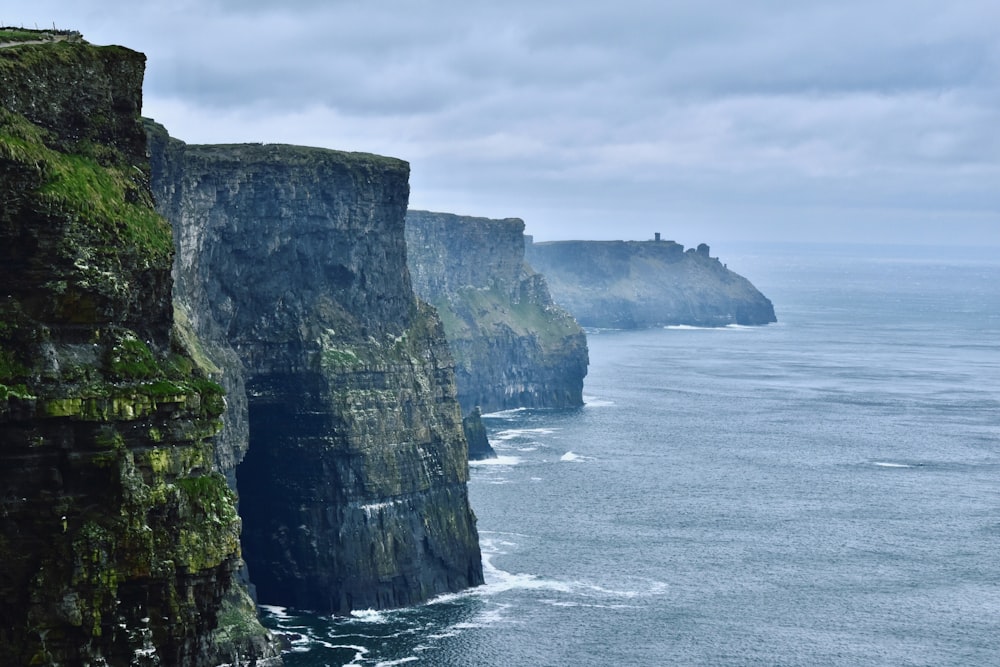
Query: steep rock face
[[353, 492], [513, 346], [633, 284], [119, 540]]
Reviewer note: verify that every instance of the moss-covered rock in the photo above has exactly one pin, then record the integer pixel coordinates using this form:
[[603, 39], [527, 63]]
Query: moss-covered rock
[[119, 542]]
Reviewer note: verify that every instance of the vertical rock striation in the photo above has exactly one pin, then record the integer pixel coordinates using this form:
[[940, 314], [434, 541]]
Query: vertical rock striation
[[513, 346], [353, 492], [118, 537]]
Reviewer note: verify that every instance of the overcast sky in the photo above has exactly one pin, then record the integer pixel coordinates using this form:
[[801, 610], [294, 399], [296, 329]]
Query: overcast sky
[[866, 121]]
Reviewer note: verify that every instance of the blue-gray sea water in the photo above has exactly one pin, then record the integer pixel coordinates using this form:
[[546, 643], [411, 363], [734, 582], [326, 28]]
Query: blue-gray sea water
[[822, 491]]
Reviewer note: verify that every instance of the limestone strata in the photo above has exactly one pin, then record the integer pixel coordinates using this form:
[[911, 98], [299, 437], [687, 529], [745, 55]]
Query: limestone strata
[[633, 284], [513, 346], [353, 492], [118, 537]]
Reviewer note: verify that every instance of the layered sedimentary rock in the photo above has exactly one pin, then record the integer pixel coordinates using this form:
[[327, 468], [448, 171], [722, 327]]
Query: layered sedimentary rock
[[633, 284], [119, 538], [353, 492], [513, 346]]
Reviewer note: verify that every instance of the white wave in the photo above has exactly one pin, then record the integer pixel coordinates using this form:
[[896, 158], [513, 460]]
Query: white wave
[[491, 546], [280, 613], [401, 661], [504, 414], [595, 402], [576, 458], [368, 615], [652, 589], [691, 327], [359, 653], [888, 464], [512, 433], [500, 581], [497, 461]]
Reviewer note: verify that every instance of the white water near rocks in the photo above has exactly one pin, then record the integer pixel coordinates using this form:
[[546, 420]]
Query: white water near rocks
[[823, 491]]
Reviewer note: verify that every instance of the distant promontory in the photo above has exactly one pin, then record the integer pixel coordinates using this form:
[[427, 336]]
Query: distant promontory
[[635, 284]]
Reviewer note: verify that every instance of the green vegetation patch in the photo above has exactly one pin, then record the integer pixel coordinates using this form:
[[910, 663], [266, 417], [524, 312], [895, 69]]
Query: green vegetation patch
[[472, 312], [210, 534], [19, 35], [91, 189], [131, 359]]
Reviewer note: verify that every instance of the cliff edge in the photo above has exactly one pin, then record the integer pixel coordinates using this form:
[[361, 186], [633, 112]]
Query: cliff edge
[[634, 284], [119, 537], [513, 346], [353, 491]]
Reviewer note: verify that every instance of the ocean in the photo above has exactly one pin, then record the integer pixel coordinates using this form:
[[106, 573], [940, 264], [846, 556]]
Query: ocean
[[821, 491]]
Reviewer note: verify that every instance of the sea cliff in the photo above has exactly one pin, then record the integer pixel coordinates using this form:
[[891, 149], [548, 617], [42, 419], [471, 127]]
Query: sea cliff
[[513, 346], [353, 491], [119, 536], [634, 284]]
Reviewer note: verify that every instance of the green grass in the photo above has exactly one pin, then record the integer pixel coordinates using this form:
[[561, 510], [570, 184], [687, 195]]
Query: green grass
[[131, 359], [21, 35], [93, 187]]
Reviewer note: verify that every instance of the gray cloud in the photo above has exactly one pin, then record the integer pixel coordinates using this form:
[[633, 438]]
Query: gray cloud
[[812, 120]]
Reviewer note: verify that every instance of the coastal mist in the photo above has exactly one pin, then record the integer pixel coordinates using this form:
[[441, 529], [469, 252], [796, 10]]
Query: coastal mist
[[820, 491]]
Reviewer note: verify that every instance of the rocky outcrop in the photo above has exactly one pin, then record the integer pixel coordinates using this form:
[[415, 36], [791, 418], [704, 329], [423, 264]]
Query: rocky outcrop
[[513, 346], [353, 492], [634, 284], [119, 537]]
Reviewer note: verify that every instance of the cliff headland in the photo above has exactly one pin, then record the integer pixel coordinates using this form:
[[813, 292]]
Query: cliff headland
[[513, 346], [283, 352], [634, 284], [353, 491], [119, 536]]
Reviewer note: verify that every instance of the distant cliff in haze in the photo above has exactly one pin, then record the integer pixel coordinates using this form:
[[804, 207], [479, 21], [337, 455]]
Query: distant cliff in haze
[[633, 284]]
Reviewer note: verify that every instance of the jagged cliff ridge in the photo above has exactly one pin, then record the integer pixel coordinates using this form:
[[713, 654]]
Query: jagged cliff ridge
[[118, 538], [513, 346], [353, 492], [633, 284]]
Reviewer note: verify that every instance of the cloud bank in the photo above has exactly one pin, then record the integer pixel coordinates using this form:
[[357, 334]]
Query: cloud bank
[[709, 121]]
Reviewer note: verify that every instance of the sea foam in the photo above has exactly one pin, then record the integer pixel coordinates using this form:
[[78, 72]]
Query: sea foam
[[497, 461]]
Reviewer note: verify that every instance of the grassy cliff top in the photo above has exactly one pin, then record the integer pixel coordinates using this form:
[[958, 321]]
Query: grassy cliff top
[[10, 36], [288, 154]]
